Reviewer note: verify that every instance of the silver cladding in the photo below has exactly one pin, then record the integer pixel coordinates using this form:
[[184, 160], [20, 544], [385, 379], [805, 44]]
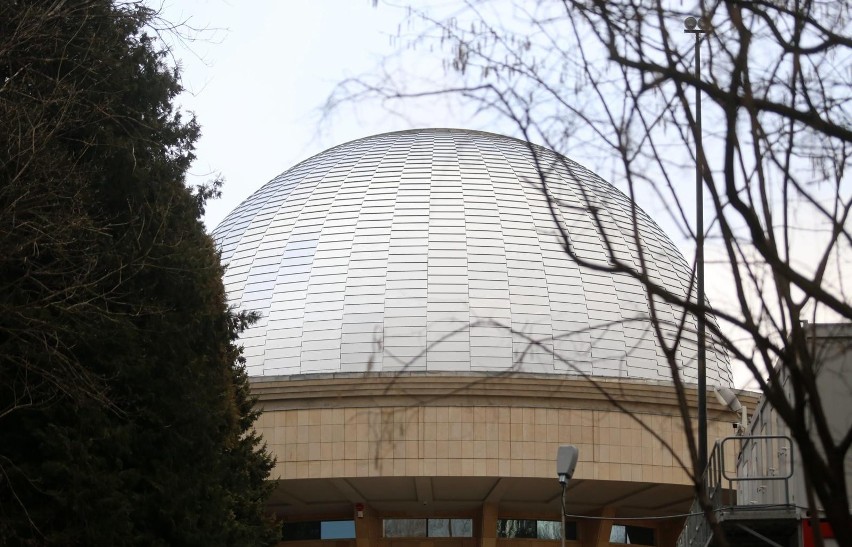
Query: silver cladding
[[437, 250]]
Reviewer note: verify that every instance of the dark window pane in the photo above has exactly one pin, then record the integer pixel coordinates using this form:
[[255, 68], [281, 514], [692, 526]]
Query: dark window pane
[[516, 528], [295, 531], [540, 529], [633, 535], [640, 535], [571, 530]]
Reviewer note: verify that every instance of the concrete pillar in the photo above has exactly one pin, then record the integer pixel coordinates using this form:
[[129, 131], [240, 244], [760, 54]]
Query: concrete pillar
[[368, 529], [669, 531], [595, 533], [488, 530]]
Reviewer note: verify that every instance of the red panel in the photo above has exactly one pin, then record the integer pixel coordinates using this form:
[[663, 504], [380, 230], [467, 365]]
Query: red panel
[[807, 532]]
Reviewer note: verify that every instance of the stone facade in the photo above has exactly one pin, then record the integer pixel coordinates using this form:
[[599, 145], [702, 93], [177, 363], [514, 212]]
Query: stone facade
[[394, 443]]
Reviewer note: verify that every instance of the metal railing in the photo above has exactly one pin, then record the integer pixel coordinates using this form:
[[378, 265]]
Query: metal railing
[[758, 471]]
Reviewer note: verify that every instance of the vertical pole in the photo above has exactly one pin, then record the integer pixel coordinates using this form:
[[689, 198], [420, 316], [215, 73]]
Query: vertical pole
[[697, 27], [564, 484], [699, 213]]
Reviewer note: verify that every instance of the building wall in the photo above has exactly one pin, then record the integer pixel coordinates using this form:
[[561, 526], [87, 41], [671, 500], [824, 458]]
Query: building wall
[[392, 425], [472, 441], [333, 427], [761, 458]]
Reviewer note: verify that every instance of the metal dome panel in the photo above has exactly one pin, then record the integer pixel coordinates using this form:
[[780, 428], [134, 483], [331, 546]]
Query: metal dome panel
[[436, 250]]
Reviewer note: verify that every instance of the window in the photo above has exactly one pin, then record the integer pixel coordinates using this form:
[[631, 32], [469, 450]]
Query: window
[[534, 529], [405, 528], [548, 529], [318, 529], [516, 528], [435, 528], [632, 535], [337, 529]]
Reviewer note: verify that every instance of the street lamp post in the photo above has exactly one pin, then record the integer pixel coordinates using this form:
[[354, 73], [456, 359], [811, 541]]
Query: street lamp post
[[566, 461], [694, 26]]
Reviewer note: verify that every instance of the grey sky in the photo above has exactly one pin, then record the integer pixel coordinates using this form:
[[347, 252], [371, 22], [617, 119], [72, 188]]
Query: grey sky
[[257, 78]]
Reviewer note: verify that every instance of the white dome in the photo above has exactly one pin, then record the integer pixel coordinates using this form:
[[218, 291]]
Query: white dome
[[435, 250]]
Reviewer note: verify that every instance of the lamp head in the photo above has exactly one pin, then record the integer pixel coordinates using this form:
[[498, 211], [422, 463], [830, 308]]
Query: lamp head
[[566, 462]]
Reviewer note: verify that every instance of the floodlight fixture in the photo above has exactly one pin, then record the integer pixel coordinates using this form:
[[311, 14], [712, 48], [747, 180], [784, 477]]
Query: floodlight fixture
[[727, 397], [695, 25]]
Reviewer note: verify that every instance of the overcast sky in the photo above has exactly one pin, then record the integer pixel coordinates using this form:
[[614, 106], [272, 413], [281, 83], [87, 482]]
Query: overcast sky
[[257, 79]]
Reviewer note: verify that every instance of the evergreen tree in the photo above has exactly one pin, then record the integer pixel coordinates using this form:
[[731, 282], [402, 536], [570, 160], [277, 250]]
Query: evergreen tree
[[125, 415]]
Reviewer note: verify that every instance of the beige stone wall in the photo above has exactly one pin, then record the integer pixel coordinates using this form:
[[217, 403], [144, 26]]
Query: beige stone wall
[[340, 427]]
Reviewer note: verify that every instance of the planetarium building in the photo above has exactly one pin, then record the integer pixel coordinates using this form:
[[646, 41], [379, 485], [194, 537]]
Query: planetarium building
[[426, 343]]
